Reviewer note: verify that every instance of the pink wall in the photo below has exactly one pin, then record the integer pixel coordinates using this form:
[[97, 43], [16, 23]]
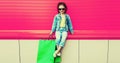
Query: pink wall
[[90, 18]]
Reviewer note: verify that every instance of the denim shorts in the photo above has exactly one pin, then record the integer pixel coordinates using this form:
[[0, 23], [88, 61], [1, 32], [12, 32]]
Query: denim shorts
[[61, 36]]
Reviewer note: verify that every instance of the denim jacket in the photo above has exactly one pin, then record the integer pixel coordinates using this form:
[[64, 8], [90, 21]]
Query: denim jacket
[[57, 20]]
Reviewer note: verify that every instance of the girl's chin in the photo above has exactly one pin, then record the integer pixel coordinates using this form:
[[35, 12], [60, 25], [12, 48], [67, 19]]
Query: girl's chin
[[61, 13]]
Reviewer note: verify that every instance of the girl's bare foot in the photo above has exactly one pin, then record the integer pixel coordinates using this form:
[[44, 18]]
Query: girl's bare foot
[[55, 53]]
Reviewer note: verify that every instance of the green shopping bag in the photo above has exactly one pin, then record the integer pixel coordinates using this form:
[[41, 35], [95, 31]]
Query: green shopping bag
[[57, 59], [46, 49]]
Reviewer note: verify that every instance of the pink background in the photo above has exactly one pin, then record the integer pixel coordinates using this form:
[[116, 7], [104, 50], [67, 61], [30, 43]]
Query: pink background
[[33, 19]]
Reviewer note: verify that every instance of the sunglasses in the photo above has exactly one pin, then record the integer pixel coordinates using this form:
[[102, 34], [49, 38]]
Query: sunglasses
[[61, 9]]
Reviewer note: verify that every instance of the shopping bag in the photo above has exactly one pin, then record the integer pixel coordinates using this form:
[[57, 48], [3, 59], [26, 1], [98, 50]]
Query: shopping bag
[[57, 59], [46, 49]]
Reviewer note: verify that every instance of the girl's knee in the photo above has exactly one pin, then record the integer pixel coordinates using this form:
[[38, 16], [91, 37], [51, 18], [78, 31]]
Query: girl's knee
[[62, 44]]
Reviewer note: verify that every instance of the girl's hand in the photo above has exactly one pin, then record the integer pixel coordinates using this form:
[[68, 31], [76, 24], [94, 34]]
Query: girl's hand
[[51, 33], [72, 33]]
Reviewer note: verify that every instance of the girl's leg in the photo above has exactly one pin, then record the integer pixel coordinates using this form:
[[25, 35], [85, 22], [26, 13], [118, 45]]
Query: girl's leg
[[58, 38], [62, 43], [63, 39]]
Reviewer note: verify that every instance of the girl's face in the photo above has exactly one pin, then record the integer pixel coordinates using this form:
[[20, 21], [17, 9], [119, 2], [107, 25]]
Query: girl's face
[[61, 9]]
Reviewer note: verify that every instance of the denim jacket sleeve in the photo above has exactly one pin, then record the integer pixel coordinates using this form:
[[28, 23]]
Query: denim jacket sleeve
[[54, 24], [69, 24]]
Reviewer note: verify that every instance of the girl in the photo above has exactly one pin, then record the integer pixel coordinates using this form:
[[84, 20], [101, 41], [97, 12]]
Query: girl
[[61, 25]]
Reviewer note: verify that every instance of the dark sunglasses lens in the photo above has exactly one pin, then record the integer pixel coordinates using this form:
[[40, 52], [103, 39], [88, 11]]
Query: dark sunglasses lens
[[61, 8]]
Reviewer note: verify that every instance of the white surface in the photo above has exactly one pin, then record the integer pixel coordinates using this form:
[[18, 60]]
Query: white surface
[[114, 51], [9, 52], [93, 51], [70, 52], [29, 49]]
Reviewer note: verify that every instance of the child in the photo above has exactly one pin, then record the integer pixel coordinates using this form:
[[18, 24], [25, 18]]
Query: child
[[61, 25]]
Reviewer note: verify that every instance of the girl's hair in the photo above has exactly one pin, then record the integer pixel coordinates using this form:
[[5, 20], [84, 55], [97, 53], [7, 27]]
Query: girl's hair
[[62, 3]]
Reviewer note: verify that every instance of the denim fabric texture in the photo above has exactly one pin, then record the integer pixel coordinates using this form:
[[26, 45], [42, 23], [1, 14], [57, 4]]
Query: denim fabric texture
[[61, 33], [57, 20], [61, 36]]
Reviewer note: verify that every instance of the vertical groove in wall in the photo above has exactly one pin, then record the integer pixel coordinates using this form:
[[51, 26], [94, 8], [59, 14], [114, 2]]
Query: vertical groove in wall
[[78, 51], [108, 52], [19, 51]]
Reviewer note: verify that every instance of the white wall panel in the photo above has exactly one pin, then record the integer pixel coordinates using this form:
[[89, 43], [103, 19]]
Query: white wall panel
[[70, 52], [93, 51], [114, 51], [9, 51], [29, 49]]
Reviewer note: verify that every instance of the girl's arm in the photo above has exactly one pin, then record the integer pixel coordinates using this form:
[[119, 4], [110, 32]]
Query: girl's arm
[[70, 25], [53, 25]]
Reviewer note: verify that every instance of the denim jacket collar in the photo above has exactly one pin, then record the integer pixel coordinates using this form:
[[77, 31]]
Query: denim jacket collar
[[60, 16]]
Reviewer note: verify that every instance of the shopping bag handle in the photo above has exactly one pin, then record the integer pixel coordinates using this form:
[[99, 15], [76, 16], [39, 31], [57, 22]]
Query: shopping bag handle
[[50, 36]]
